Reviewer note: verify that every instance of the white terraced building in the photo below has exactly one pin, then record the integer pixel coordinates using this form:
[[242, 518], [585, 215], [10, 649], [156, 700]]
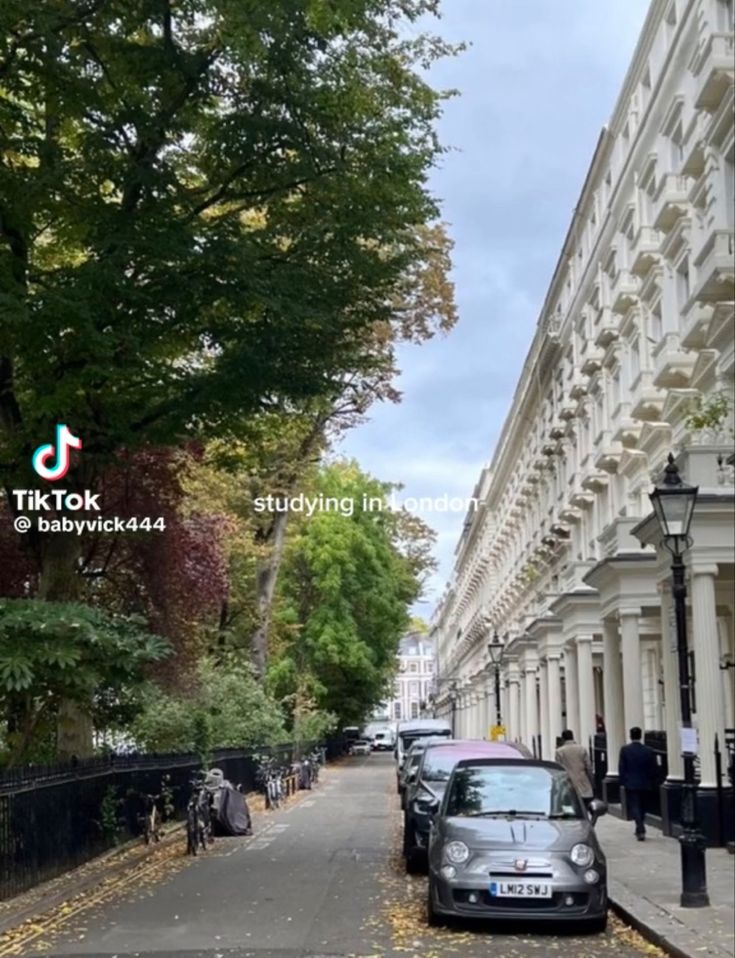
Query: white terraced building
[[632, 358]]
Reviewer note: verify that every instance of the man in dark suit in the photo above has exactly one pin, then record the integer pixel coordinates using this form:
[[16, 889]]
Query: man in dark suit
[[638, 774]]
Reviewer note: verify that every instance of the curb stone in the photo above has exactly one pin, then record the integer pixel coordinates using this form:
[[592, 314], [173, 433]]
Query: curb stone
[[652, 926]]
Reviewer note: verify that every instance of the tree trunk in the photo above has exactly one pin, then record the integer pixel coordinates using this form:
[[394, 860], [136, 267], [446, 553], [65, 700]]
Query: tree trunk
[[266, 578], [60, 582]]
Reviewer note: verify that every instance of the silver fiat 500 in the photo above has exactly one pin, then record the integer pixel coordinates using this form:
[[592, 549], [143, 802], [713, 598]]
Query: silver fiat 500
[[512, 839]]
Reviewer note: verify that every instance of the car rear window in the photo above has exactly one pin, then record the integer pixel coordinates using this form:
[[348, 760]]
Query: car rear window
[[438, 768], [518, 789]]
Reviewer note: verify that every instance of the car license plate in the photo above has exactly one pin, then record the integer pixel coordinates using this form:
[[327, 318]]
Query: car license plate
[[520, 889]]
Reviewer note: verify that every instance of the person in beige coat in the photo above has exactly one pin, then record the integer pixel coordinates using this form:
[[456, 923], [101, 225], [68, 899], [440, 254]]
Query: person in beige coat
[[576, 760]]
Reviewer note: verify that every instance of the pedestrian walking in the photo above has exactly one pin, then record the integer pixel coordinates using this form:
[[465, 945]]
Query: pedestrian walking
[[576, 760], [638, 775]]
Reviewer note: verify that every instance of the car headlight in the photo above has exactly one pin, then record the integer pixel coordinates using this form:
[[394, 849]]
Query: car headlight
[[582, 855], [456, 852]]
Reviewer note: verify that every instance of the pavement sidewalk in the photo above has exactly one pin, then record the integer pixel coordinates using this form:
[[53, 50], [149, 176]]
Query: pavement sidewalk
[[644, 883]]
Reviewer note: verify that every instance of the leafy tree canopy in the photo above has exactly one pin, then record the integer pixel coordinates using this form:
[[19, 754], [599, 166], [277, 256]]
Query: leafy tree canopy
[[67, 652], [226, 702], [203, 207], [347, 584]]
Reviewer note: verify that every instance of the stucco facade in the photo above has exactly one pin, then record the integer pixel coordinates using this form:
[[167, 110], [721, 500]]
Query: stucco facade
[[633, 358]]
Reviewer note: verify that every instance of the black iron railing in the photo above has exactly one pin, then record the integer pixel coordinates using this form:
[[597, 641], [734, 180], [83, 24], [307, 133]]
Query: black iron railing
[[54, 818]]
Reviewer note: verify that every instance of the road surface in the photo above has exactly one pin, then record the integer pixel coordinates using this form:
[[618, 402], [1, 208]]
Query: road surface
[[320, 879]]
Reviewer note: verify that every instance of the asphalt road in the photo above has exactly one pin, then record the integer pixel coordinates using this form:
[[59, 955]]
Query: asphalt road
[[321, 879]]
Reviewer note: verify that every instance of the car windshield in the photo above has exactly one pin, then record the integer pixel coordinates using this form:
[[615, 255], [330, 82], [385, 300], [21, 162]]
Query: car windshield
[[517, 790]]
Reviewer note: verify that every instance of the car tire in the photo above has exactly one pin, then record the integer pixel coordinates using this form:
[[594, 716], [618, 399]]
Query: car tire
[[432, 918], [594, 926], [413, 854]]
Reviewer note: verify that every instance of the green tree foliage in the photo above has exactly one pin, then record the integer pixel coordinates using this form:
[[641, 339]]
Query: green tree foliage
[[52, 653], [203, 207], [226, 708], [347, 584]]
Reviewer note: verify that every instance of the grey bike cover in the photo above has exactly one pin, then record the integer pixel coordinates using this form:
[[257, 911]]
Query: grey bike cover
[[233, 813]]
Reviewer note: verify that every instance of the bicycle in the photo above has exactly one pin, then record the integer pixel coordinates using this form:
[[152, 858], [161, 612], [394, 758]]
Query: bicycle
[[269, 777], [153, 817], [199, 832]]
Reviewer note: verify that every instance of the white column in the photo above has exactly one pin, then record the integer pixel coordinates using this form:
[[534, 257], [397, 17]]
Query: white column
[[571, 688], [706, 644], [544, 710], [612, 677], [672, 706], [586, 690], [514, 704], [531, 703], [522, 723], [728, 675], [554, 669], [630, 642]]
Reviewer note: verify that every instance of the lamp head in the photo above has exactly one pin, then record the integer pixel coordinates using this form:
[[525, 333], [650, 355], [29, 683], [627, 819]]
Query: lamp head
[[495, 648], [673, 503]]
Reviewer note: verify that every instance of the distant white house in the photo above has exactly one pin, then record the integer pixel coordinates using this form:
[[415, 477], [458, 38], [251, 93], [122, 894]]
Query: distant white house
[[414, 679]]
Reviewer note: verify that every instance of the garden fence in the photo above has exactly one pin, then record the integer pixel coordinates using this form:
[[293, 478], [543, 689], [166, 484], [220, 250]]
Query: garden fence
[[54, 818]]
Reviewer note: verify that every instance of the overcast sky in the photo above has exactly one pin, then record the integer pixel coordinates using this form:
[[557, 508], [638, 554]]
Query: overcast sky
[[539, 81]]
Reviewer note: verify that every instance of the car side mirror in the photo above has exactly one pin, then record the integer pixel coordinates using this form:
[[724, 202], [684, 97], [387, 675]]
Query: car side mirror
[[433, 807], [597, 808], [411, 777]]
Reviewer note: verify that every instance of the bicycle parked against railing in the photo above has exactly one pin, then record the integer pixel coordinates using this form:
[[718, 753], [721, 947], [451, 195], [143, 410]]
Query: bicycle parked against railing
[[156, 809], [316, 760], [199, 832], [270, 777]]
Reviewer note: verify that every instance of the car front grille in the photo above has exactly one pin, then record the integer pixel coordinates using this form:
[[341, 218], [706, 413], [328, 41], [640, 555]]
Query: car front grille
[[491, 902]]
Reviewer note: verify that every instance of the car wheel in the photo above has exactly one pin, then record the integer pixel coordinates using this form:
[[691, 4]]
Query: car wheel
[[594, 926], [432, 918], [407, 837]]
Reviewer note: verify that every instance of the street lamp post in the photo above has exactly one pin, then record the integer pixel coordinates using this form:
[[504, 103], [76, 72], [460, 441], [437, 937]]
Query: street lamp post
[[453, 702], [673, 504], [495, 649]]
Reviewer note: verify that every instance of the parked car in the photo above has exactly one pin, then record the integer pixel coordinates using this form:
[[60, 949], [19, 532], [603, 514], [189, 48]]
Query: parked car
[[428, 782], [413, 729], [407, 773], [361, 746], [384, 740], [512, 839]]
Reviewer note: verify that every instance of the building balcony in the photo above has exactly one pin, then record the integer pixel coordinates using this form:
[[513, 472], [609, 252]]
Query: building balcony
[[672, 365], [567, 410], [624, 291], [627, 433], [577, 386], [570, 514], [714, 70], [648, 401], [594, 480], [715, 264], [608, 455], [606, 328], [591, 358], [646, 246], [581, 498], [670, 201], [696, 320], [548, 448], [557, 429]]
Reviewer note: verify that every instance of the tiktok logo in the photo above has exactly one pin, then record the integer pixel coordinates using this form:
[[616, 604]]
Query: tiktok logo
[[65, 441]]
